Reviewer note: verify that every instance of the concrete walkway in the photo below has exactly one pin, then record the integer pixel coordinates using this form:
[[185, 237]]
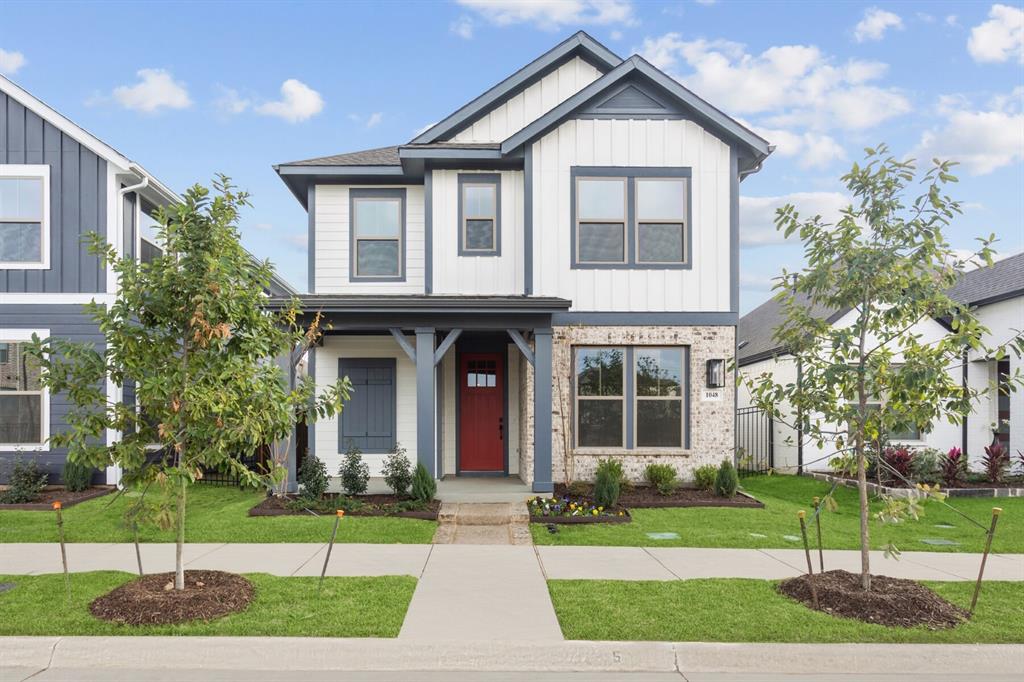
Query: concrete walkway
[[568, 562]]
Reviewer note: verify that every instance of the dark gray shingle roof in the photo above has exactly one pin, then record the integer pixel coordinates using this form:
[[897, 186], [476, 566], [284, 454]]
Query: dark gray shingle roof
[[381, 156], [756, 330], [1003, 279]]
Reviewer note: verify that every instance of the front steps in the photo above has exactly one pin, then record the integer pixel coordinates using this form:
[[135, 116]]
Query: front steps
[[483, 523]]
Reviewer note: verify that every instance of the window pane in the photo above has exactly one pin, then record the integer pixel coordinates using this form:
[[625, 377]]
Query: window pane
[[599, 371], [600, 423], [21, 199], [377, 258], [377, 217], [601, 243], [601, 199], [480, 235], [660, 243], [21, 242], [478, 200], [659, 423], [660, 199], [20, 372], [20, 418], [659, 372]]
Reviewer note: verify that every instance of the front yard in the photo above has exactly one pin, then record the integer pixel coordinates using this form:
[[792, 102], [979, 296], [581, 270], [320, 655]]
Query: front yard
[[735, 610], [783, 496], [215, 514], [282, 607]]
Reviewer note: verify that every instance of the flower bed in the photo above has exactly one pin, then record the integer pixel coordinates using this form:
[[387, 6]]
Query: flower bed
[[568, 509], [67, 498], [646, 497], [362, 505]]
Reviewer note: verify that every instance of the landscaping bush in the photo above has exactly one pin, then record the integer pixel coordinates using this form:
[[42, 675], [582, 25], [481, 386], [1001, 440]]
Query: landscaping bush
[[726, 480], [662, 477], [608, 482], [924, 465], [25, 484], [77, 477], [578, 488], [424, 487], [355, 475], [953, 467], [1020, 461], [996, 461], [897, 465], [704, 477], [398, 471], [312, 478]]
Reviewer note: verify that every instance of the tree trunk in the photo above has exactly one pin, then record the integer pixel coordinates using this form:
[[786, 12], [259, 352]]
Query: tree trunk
[[179, 551], [862, 489]]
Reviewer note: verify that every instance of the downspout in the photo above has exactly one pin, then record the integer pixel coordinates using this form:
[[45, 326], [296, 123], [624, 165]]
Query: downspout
[[963, 426]]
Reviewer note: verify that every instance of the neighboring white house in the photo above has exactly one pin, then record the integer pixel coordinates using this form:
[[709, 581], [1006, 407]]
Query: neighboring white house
[[997, 295], [546, 277]]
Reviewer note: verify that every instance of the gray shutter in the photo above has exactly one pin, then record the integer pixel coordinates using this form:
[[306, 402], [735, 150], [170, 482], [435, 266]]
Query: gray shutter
[[368, 418]]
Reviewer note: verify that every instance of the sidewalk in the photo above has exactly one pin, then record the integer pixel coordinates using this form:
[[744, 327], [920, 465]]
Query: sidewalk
[[564, 562]]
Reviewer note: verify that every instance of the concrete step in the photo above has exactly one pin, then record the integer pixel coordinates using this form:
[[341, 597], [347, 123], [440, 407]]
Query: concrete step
[[482, 513]]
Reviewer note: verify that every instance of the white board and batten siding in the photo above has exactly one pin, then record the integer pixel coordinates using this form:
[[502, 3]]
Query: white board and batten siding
[[332, 243], [477, 275], [640, 143], [520, 110]]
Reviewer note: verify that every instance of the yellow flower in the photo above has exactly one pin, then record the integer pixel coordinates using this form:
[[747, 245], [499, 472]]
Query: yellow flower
[[595, 512]]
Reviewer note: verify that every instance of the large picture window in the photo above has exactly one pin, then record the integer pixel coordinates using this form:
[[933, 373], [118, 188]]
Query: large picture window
[[600, 397], [23, 400], [24, 216], [378, 234], [480, 214]]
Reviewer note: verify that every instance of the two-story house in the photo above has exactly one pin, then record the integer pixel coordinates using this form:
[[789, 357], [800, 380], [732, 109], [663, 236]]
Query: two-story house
[[57, 184], [546, 277]]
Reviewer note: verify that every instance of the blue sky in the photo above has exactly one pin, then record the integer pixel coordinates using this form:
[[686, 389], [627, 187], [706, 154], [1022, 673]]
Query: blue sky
[[189, 90]]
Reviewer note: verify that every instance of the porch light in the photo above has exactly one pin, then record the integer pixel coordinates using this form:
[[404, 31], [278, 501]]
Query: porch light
[[716, 373]]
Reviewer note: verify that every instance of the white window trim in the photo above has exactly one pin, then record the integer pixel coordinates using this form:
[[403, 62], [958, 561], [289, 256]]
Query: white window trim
[[22, 335], [34, 171]]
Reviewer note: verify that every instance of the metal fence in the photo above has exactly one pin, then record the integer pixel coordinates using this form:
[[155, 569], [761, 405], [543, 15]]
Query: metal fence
[[257, 461], [755, 441]]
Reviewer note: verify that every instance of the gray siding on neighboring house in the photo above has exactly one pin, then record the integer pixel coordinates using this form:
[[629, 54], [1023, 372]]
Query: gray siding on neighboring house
[[78, 202], [67, 321]]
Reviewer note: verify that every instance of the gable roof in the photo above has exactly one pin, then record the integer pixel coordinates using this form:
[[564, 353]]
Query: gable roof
[[998, 282], [580, 44], [755, 334]]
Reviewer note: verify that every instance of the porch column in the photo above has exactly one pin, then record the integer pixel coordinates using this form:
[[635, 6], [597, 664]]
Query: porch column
[[542, 482], [425, 398]]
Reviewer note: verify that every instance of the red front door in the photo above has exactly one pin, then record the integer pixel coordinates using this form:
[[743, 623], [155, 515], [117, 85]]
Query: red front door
[[481, 412]]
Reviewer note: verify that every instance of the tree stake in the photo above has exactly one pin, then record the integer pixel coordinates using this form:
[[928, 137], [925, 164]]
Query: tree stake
[[817, 521], [996, 511], [63, 549], [807, 552], [334, 533]]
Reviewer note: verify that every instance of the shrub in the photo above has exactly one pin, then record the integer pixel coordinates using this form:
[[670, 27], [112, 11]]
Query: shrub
[[608, 482], [26, 483], [578, 489], [424, 487], [77, 477], [398, 471], [662, 477], [996, 461], [897, 465], [1020, 461], [726, 480], [952, 467], [704, 477], [924, 465], [312, 477], [355, 475]]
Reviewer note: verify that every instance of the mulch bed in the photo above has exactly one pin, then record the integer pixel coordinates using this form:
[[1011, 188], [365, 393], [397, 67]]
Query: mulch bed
[[894, 602], [278, 505], [148, 601], [583, 518], [647, 497], [65, 497]]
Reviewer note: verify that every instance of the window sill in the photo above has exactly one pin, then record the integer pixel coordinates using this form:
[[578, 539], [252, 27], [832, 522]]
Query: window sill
[[631, 266], [635, 452], [24, 447], [24, 266]]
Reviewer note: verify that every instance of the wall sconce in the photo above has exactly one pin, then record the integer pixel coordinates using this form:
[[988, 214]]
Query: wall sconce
[[716, 373]]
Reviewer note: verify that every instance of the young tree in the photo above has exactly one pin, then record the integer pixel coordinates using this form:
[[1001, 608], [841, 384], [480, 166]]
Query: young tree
[[191, 332], [887, 264]]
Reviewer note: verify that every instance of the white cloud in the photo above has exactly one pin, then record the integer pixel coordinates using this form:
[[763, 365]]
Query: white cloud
[[812, 150], [1000, 38], [374, 119], [298, 242], [462, 27], [298, 102], [615, 35], [952, 20], [982, 139], [550, 15], [795, 84], [263, 226], [230, 103], [875, 23], [706, 2], [155, 90], [11, 61], [925, 17], [757, 214]]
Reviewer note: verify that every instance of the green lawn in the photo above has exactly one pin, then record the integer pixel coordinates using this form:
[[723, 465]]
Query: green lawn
[[732, 610], [282, 607], [783, 496], [215, 514]]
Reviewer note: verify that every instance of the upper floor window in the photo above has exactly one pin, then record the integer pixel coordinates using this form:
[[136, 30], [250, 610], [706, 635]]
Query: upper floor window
[[480, 214], [24, 217], [377, 240], [631, 217], [149, 233]]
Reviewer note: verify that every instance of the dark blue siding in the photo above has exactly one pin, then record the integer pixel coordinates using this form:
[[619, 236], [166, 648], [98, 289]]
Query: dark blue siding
[[78, 202]]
